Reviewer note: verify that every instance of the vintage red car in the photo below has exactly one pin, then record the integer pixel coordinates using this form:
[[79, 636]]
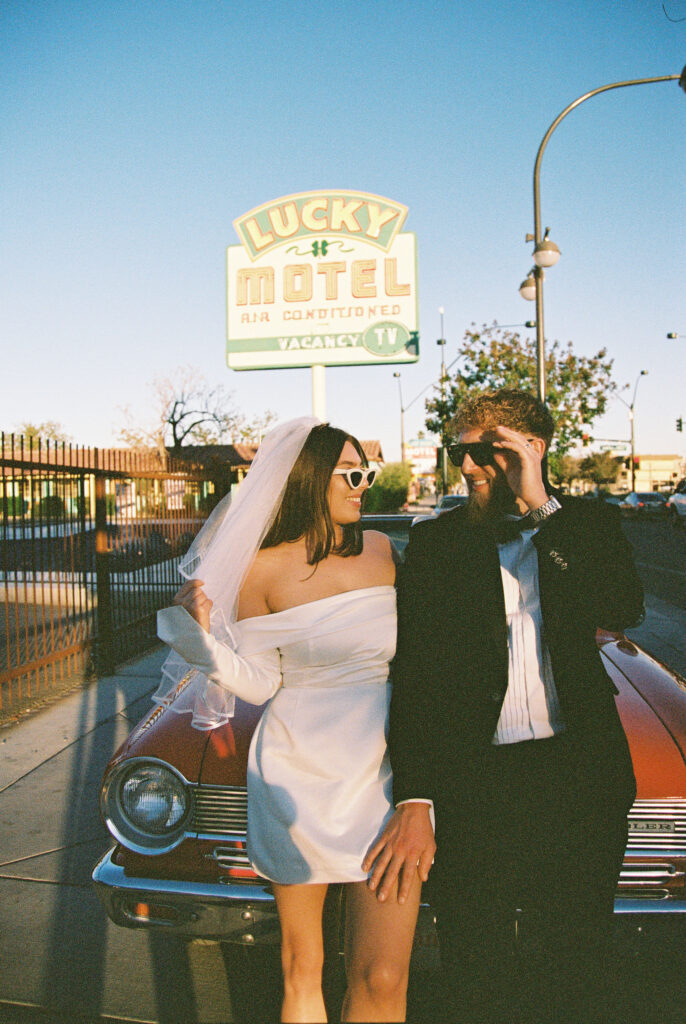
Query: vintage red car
[[174, 799]]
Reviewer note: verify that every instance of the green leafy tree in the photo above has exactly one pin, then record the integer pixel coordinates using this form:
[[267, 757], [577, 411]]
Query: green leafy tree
[[577, 386], [567, 469], [390, 489], [454, 475], [600, 467]]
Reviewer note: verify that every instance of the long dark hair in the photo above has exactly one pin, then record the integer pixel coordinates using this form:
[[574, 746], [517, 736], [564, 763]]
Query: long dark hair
[[304, 510]]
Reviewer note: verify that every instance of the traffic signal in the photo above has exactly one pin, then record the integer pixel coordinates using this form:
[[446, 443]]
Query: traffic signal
[[627, 463], [637, 461], [585, 439], [680, 424]]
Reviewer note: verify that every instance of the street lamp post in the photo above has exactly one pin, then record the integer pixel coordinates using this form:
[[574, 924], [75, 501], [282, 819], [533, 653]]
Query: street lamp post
[[432, 384], [546, 253], [444, 453], [643, 373], [402, 417]]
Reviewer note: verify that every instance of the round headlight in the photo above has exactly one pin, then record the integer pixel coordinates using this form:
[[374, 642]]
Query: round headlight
[[146, 805], [153, 799]]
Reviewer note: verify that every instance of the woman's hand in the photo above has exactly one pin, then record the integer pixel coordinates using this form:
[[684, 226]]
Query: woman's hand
[[192, 597]]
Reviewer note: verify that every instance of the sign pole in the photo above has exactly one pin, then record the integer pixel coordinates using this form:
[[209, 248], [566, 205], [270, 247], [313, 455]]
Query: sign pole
[[319, 391]]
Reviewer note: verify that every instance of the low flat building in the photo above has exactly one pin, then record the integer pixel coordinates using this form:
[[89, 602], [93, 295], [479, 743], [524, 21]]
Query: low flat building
[[653, 472]]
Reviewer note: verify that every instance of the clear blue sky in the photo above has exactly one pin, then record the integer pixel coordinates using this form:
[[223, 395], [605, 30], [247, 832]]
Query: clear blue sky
[[133, 132]]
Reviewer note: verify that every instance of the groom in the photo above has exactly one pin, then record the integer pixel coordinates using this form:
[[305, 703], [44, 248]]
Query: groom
[[503, 716]]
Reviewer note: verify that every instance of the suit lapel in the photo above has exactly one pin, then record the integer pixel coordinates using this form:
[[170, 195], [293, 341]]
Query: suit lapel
[[471, 574]]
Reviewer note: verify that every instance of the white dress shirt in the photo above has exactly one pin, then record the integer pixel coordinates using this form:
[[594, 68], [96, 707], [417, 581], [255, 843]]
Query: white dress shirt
[[531, 710]]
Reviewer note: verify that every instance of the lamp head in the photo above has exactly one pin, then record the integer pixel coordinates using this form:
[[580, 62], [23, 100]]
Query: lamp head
[[546, 253], [527, 288]]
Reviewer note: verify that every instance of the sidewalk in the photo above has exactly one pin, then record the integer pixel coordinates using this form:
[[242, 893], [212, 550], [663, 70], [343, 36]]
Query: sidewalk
[[58, 950], [37, 737]]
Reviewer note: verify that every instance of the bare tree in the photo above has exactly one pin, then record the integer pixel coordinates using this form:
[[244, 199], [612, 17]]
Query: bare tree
[[187, 410], [48, 431], [252, 431]]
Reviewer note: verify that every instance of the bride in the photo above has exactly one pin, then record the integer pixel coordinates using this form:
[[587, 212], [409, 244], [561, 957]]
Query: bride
[[287, 601]]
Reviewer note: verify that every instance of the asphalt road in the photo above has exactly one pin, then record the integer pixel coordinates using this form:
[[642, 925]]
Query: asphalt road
[[660, 553]]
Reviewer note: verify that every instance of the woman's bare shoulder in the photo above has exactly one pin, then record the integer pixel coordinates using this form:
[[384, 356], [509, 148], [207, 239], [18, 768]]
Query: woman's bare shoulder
[[268, 570], [380, 546], [270, 562], [375, 540]]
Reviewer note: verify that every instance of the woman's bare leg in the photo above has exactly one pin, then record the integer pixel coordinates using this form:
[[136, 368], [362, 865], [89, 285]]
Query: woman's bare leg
[[378, 944], [302, 951]]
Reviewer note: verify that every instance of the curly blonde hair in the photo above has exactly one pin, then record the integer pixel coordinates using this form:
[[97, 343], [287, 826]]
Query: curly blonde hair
[[507, 407]]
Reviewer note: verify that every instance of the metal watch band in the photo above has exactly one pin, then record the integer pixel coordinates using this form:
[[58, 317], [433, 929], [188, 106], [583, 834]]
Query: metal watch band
[[537, 515]]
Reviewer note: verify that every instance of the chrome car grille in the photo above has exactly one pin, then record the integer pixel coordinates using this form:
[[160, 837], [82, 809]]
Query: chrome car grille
[[658, 825], [653, 824], [219, 811]]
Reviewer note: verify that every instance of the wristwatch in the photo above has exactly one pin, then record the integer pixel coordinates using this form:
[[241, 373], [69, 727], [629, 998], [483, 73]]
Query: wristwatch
[[537, 515]]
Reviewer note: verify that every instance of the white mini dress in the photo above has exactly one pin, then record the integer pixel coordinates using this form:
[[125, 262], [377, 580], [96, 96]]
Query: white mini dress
[[319, 778]]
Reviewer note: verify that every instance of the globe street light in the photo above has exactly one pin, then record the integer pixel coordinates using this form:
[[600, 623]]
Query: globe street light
[[546, 253]]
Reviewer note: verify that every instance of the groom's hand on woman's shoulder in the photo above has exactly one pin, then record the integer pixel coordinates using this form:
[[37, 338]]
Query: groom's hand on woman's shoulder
[[405, 848]]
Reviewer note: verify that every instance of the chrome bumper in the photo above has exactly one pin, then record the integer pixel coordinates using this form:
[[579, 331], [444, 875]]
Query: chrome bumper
[[649, 906], [244, 913], [239, 913]]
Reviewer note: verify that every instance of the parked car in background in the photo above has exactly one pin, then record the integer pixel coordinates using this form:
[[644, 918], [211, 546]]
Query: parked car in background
[[644, 503], [175, 802], [444, 504], [676, 504], [450, 501]]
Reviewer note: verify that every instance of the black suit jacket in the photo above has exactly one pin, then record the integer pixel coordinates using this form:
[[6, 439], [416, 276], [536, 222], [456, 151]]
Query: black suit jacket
[[450, 672]]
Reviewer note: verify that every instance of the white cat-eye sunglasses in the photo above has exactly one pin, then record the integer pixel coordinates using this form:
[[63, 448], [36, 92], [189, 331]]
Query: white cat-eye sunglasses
[[356, 477]]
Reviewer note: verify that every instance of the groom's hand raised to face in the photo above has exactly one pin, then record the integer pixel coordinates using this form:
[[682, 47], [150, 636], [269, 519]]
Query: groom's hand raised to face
[[406, 848], [520, 458]]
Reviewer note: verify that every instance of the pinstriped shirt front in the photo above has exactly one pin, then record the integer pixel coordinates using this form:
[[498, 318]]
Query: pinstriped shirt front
[[531, 709]]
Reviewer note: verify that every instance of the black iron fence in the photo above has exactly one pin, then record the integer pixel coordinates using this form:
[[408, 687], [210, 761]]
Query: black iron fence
[[90, 541]]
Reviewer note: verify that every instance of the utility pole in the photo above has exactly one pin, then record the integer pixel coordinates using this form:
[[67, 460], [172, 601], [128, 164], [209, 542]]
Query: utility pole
[[444, 453]]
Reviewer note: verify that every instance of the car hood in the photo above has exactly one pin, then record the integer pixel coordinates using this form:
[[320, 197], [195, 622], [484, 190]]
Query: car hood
[[168, 736], [226, 753], [216, 757], [652, 705]]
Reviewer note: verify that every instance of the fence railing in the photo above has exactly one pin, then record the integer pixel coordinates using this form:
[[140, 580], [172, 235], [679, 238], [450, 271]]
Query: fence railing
[[90, 541]]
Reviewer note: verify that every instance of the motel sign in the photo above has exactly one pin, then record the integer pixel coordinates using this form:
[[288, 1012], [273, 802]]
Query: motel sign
[[322, 279]]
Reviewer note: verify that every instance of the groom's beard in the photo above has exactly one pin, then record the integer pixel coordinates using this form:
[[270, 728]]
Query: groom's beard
[[500, 501]]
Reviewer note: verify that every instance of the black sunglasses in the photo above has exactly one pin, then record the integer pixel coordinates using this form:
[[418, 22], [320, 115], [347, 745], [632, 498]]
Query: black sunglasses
[[480, 452]]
